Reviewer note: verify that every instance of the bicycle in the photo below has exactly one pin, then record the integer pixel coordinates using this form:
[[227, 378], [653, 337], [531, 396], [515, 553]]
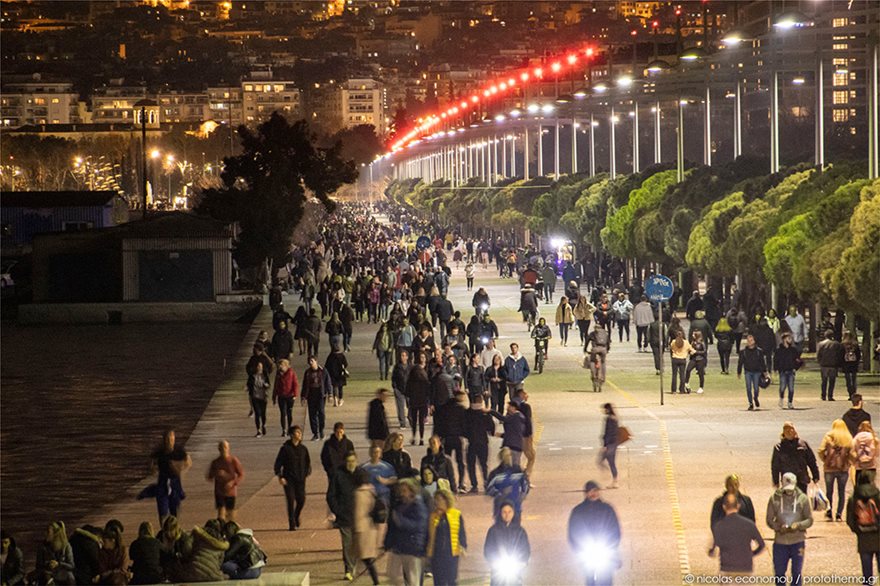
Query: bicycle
[[540, 352]]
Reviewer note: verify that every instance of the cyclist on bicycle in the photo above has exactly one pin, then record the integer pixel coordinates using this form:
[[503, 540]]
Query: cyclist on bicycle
[[528, 305], [541, 334]]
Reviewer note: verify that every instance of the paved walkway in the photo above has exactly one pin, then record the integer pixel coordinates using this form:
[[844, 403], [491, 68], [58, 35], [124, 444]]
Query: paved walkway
[[670, 473]]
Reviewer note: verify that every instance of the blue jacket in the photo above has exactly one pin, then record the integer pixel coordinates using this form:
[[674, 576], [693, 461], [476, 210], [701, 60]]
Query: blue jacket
[[408, 528], [517, 370]]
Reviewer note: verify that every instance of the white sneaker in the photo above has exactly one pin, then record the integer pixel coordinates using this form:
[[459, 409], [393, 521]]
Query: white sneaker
[[700, 391], [790, 405], [341, 402]]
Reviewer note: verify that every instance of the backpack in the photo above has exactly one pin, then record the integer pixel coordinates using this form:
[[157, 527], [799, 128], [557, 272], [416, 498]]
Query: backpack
[[600, 338], [866, 514], [850, 355], [379, 513], [865, 453]]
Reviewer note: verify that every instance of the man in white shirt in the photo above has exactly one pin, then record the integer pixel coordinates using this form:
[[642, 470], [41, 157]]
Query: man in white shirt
[[488, 354]]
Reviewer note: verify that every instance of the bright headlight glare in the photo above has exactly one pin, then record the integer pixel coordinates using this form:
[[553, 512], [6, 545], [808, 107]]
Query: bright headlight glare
[[507, 568], [596, 556]]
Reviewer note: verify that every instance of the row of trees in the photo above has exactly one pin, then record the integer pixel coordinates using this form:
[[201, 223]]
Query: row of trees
[[813, 234]]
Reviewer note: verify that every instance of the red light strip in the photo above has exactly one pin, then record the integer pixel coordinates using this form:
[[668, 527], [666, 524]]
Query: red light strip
[[493, 88]]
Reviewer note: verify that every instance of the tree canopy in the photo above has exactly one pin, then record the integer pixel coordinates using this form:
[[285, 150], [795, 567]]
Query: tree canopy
[[266, 187]]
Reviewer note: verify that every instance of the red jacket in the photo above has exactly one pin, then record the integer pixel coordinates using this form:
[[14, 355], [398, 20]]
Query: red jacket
[[286, 385]]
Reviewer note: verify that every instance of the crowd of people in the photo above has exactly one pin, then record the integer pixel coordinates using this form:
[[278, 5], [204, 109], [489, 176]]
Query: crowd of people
[[445, 372]]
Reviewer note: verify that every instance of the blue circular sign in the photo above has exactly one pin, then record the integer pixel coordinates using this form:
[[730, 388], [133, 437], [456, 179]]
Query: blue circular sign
[[659, 288], [423, 242]]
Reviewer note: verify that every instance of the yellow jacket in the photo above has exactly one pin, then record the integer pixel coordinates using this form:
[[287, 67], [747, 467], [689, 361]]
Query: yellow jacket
[[453, 517]]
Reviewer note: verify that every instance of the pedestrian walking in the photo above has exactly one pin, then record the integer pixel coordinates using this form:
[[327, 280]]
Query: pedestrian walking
[[336, 367], [521, 400], [335, 449], [793, 454], [745, 506], [399, 458], [835, 452], [170, 460], [751, 359], [852, 358], [789, 515], [315, 390], [583, 315], [447, 539], [312, 331], [365, 529], [733, 535], [564, 319], [340, 499], [514, 424], [293, 466], [594, 536], [657, 337], [227, 473], [383, 345], [610, 442], [284, 393], [282, 343], [787, 361], [496, 378], [439, 463], [399, 377], [507, 483], [377, 422], [856, 414], [507, 549], [406, 538], [680, 349], [381, 474], [829, 355], [798, 327], [643, 316], [479, 428], [696, 361], [258, 387], [863, 519], [469, 274], [516, 367], [475, 380], [724, 344], [865, 451], [418, 393], [596, 352], [623, 309]]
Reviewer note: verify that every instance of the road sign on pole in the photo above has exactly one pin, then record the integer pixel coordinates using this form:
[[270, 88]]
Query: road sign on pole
[[659, 289]]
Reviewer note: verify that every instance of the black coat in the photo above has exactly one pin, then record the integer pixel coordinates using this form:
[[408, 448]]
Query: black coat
[[746, 509], [282, 344], [377, 423], [399, 376], [293, 463], [340, 496], [794, 456], [401, 461], [479, 425], [418, 387], [507, 540], [785, 358], [333, 453], [441, 464], [86, 545], [145, 554], [591, 522]]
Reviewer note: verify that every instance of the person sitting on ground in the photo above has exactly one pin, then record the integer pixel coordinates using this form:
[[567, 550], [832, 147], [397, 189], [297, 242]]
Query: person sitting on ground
[[145, 553], [112, 559], [208, 548], [55, 563], [244, 560], [85, 542], [12, 568]]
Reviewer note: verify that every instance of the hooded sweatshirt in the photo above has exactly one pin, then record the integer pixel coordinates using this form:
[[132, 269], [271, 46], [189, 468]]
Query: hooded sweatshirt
[[789, 508]]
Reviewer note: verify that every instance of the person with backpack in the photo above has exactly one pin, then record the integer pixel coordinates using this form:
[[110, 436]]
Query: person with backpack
[[599, 344], [865, 451], [863, 519], [835, 453], [852, 358]]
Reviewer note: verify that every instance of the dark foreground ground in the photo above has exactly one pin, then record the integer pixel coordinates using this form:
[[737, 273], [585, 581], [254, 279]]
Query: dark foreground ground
[[83, 406]]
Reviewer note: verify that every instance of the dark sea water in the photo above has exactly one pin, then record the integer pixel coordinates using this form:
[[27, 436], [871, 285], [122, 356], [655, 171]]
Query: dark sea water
[[81, 407]]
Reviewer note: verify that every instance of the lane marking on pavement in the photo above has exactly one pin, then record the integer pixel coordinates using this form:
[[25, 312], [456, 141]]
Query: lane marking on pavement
[[684, 562]]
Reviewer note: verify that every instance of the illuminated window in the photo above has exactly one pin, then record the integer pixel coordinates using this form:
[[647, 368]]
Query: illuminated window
[[839, 79], [40, 101], [248, 88], [839, 22], [839, 97], [56, 101], [839, 115], [259, 88], [840, 46], [279, 88]]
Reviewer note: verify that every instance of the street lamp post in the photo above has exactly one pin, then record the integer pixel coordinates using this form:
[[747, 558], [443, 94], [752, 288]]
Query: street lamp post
[[707, 128], [657, 147], [574, 145], [540, 149], [635, 136], [556, 150], [592, 146], [525, 152], [679, 143], [611, 146]]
